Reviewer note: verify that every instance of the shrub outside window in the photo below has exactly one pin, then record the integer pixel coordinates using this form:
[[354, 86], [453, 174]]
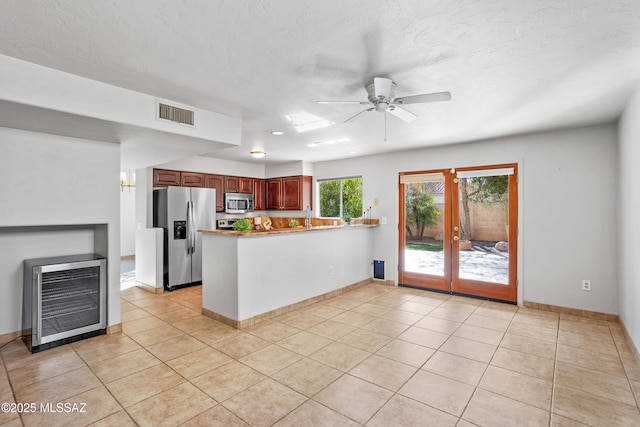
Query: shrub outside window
[[341, 198]]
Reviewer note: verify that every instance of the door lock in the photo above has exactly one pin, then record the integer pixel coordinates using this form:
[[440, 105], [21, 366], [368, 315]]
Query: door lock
[[455, 229]]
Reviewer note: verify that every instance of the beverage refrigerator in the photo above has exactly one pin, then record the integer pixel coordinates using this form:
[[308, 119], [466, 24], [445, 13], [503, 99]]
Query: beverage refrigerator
[[181, 212], [64, 300]]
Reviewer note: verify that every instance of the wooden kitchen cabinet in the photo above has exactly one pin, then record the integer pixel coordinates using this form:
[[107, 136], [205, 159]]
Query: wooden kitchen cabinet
[[231, 184], [246, 185], [192, 179], [217, 182], [274, 191], [259, 190], [164, 177], [289, 193]]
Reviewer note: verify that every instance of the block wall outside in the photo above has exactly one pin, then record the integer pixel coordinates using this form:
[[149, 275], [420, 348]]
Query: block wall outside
[[488, 222]]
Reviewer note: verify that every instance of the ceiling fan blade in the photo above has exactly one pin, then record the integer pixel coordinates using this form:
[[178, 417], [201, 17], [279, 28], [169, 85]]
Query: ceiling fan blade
[[344, 102], [356, 115], [402, 114], [427, 97], [382, 87]]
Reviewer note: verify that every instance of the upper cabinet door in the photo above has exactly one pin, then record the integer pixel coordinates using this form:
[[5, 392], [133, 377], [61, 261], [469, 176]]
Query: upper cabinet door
[[192, 179], [217, 182], [231, 184], [274, 186], [296, 193], [164, 177], [246, 185], [292, 193], [259, 199]]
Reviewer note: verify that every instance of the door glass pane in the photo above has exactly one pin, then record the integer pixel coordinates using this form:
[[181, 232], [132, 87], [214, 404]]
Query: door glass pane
[[484, 227], [424, 225]]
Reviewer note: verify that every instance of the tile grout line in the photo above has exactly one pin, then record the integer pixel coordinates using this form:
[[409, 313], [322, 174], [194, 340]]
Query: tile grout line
[[6, 372], [105, 387], [477, 386], [395, 393], [142, 347]]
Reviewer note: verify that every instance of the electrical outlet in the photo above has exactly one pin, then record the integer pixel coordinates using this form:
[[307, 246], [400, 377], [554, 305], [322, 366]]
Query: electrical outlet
[[331, 271], [586, 285]]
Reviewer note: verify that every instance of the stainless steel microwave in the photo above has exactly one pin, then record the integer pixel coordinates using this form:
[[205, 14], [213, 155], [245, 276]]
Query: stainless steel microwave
[[238, 202]]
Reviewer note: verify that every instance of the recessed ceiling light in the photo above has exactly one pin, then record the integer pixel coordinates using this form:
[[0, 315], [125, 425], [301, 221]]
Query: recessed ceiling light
[[353, 152], [277, 132], [258, 154]]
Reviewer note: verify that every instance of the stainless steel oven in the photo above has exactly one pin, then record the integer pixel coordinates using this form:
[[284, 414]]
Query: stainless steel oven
[[238, 202]]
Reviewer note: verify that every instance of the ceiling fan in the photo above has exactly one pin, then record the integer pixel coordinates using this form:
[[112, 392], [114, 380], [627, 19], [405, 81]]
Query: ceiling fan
[[381, 94]]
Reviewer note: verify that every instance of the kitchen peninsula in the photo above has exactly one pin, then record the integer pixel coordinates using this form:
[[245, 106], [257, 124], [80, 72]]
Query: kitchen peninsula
[[250, 276]]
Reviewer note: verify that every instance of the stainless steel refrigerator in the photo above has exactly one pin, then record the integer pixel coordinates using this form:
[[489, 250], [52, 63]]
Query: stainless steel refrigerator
[[181, 212]]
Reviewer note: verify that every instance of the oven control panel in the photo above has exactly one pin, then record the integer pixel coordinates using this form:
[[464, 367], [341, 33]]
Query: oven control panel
[[225, 224]]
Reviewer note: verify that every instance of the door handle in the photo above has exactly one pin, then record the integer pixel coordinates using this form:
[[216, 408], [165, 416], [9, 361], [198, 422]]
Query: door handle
[[456, 238], [193, 229], [189, 227]]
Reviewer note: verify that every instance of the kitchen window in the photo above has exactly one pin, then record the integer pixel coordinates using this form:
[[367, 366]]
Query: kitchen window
[[341, 198]]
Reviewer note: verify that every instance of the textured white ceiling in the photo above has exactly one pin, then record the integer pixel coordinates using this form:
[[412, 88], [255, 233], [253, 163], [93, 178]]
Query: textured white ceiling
[[511, 66]]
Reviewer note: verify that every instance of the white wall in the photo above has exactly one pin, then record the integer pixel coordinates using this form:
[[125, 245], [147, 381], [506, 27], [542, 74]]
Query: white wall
[[128, 221], [629, 226], [56, 182], [289, 169], [35, 85], [216, 166], [567, 207]]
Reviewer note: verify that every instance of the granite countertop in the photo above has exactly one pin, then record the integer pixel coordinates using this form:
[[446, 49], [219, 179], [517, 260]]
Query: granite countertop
[[255, 233]]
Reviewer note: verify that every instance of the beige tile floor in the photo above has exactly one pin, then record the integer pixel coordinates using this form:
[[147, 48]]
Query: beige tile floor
[[377, 356]]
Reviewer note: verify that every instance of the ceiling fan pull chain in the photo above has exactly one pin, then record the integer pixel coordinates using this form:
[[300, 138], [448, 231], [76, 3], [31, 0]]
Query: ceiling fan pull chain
[[385, 126]]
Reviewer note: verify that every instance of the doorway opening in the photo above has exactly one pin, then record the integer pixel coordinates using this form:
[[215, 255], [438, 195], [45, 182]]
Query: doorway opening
[[127, 272]]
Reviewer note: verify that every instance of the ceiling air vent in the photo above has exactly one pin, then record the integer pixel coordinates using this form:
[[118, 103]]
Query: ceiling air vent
[[175, 114]]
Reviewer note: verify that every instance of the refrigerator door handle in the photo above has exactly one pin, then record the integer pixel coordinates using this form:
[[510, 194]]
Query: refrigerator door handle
[[189, 227], [38, 324], [193, 229]]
